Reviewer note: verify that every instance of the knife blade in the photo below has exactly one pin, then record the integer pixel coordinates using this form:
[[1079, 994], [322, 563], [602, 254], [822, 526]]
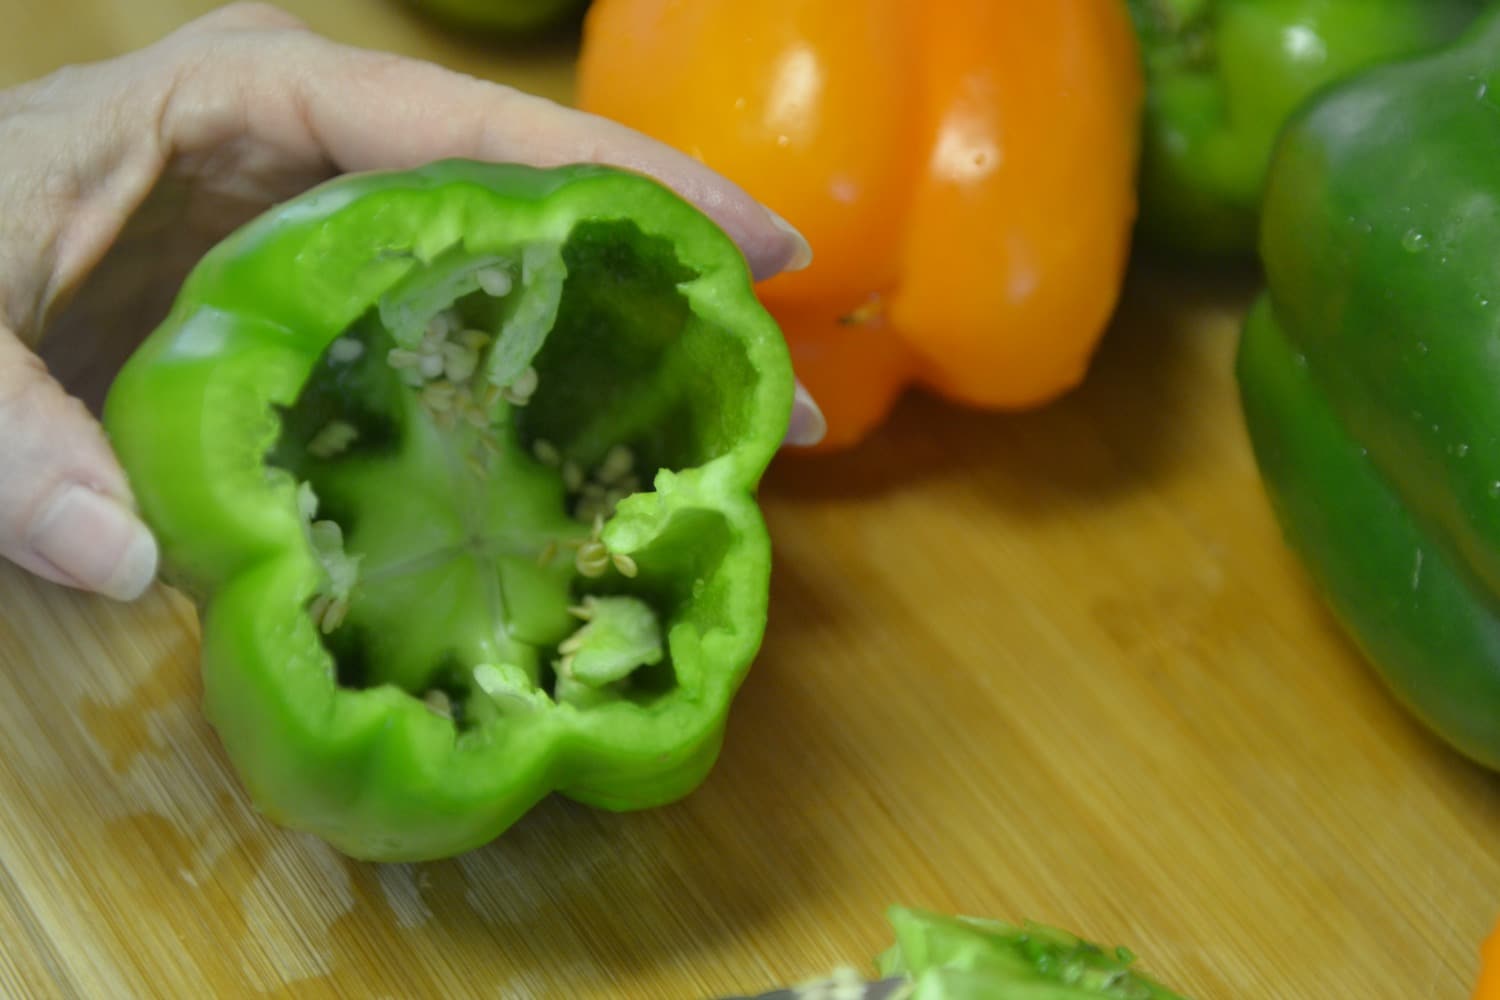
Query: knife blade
[[842, 984]]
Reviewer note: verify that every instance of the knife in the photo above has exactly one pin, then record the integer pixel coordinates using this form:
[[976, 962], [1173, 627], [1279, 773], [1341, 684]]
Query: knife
[[843, 984]]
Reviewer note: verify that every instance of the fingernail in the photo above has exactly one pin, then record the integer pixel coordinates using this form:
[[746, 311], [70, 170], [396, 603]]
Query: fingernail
[[96, 541], [807, 425], [802, 254]]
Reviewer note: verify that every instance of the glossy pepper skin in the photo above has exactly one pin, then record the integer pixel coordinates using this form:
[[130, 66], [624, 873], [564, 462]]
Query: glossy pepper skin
[[1222, 78], [1369, 373], [964, 170], [385, 576]]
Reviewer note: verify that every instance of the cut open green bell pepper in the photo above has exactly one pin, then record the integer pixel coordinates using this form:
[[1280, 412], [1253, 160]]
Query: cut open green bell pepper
[[460, 465]]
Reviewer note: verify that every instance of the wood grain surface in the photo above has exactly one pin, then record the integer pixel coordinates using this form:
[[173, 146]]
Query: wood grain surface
[[1055, 665]]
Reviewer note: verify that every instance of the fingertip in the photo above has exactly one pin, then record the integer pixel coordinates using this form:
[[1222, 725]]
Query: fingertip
[[95, 543], [800, 254], [807, 426], [136, 570]]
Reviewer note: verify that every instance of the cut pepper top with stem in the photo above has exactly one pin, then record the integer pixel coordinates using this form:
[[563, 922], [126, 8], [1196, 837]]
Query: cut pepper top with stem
[[460, 464]]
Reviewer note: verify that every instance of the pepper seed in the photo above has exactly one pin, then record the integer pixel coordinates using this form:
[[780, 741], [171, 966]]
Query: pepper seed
[[400, 358], [439, 703], [522, 387], [344, 350], [459, 362], [618, 463], [334, 439], [495, 282]]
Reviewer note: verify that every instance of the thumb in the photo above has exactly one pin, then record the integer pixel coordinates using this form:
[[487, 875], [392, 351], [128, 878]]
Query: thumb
[[65, 509]]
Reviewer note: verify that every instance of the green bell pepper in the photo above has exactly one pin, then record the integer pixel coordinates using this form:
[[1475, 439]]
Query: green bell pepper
[[1222, 77], [969, 958], [1370, 373], [519, 18], [459, 464], [940, 957]]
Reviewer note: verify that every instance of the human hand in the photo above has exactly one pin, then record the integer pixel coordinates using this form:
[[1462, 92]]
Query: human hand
[[116, 177]]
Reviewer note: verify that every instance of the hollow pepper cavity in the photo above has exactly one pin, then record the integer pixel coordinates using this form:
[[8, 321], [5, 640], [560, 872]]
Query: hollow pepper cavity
[[1223, 76], [964, 170], [459, 464], [1369, 372]]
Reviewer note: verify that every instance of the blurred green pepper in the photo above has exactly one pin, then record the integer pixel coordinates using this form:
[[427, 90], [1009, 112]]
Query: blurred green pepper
[[940, 957], [505, 17], [969, 958], [1222, 77]]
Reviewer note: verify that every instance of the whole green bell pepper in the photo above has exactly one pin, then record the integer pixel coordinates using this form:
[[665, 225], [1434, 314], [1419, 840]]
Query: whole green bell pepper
[[460, 465], [1370, 372], [1223, 75]]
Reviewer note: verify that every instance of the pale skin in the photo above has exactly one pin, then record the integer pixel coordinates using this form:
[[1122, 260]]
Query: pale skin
[[115, 177]]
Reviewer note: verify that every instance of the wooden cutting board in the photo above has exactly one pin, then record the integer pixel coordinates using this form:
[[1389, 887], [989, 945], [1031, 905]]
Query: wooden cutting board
[[1055, 666]]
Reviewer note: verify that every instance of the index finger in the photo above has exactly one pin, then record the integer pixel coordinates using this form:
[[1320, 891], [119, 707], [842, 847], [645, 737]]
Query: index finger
[[309, 98]]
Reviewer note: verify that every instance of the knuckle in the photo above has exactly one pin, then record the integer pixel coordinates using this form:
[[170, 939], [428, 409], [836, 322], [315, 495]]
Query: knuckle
[[23, 429], [44, 430], [32, 401], [21, 378], [379, 69]]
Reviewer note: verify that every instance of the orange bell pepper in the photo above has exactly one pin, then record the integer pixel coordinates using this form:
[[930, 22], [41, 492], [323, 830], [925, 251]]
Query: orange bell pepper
[[1487, 986], [964, 170]]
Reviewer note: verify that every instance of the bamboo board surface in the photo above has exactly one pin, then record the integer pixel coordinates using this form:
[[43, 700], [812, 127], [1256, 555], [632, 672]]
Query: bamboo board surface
[[1053, 666]]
